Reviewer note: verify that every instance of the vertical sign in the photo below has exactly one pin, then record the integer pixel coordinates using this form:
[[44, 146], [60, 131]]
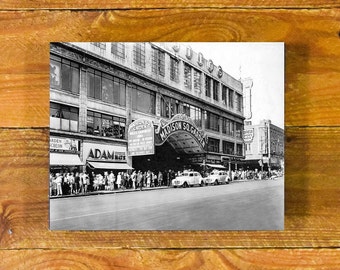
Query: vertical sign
[[141, 138]]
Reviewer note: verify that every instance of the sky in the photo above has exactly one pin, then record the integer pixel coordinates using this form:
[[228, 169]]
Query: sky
[[263, 62]]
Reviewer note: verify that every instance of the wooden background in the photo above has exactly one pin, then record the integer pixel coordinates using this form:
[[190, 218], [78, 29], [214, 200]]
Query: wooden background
[[311, 31]]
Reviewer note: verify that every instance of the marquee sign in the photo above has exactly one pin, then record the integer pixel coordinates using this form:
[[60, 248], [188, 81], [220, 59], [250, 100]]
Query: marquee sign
[[141, 138], [248, 135], [64, 145], [179, 123], [104, 152]]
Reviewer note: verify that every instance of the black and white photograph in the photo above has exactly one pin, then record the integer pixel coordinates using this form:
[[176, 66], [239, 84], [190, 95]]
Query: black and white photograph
[[166, 136]]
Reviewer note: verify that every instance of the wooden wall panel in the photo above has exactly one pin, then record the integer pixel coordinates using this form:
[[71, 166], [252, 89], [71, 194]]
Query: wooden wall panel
[[312, 52], [310, 30], [169, 259]]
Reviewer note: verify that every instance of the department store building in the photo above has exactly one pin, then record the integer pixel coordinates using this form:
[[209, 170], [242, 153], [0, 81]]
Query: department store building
[[98, 90]]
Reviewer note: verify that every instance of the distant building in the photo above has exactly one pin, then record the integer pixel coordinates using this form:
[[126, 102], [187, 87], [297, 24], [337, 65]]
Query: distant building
[[264, 144], [98, 89]]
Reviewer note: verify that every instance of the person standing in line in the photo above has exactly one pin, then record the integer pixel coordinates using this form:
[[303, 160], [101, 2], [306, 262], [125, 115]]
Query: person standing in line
[[59, 181], [111, 181], [119, 180], [76, 183], [160, 178], [134, 179]]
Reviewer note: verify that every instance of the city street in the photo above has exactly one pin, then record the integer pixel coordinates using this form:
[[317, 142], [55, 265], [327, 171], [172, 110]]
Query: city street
[[251, 205]]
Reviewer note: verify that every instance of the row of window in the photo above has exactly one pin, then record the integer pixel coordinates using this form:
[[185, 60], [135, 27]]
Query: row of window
[[227, 147], [171, 106], [158, 67]]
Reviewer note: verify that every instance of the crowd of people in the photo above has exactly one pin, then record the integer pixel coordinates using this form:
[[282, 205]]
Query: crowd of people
[[69, 183]]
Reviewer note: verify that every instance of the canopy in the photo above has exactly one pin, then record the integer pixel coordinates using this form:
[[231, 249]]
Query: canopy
[[109, 165], [217, 166], [61, 159]]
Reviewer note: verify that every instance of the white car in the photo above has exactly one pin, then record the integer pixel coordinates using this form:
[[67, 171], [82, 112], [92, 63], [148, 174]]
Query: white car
[[188, 178], [217, 177]]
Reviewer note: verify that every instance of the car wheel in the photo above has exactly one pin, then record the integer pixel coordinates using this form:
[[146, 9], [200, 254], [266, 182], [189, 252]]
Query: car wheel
[[202, 184], [185, 185], [216, 182]]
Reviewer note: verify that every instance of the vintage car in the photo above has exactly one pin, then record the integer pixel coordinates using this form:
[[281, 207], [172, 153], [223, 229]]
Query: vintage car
[[217, 177], [188, 178]]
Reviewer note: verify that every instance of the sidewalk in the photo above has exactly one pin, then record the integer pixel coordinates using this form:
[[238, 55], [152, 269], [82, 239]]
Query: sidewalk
[[102, 192]]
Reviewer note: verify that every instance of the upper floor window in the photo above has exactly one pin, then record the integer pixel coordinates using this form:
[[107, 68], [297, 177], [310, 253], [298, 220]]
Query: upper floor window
[[228, 148], [239, 149], [98, 47], [169, 106], [173, 69], [64, 117], [143, 100], [197, 80], [64, 74], [224, 94], [105, 125], [118, 49], [231, 98], [139, 54], [187, 76], [239, 102], [228, 127], [208, 86], [194, 113], [213, 145], [239, 130], [215, 90], [158, 62], [212, 121], [105, 87]]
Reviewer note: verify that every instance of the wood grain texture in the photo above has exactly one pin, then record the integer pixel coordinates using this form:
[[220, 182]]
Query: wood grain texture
[[310, 30], [117, 4], [311, 201], [169, 259], [311, 37]]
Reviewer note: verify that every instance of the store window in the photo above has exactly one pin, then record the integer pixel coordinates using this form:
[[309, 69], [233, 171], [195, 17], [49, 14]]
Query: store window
[[143, 100], [239, 149], [197, 80], [215, 90], [212, 121], [64, 117], [208, 86], [158, 62], [228, 148], [174, 69], [228, 127], [105, 125], [187, 76], [64, 75], [213, 145], [106, 88], [139, 54], [239, 130], [118, 49]]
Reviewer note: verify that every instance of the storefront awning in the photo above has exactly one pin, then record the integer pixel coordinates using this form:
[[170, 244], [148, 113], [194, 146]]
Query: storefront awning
[[109, 165], [217, 166], [60, 159]]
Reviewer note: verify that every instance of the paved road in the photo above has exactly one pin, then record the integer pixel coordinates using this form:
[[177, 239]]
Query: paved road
[[253, 205]]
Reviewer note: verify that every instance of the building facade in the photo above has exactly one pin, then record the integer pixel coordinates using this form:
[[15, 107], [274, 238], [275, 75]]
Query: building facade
[[98, 89], [264, 146]]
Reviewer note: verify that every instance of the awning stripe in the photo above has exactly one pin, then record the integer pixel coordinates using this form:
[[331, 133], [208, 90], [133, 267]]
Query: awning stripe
[[109, 165], [61, 159]]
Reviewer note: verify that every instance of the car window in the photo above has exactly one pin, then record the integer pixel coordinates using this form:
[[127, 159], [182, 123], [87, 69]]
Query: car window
[[191, 174]]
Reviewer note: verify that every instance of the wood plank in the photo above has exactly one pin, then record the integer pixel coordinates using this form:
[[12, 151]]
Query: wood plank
[[311, 36], [170, 259], [88, 4], [311, 200]]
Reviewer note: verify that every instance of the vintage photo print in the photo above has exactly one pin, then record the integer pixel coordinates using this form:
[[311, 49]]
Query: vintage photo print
[[166, 136]]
